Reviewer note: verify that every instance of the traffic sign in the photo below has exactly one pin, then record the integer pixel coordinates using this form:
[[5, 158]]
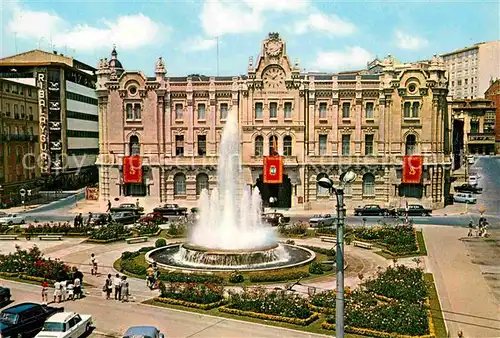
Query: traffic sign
[[22, 192]]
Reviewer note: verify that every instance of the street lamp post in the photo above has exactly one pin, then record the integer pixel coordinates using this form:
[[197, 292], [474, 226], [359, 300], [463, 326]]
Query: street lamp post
[[327, 183]]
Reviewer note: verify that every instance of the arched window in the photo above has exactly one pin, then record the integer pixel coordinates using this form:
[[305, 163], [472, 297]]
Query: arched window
[[201, 183], [287, 146], [320, 191], [368, 185], [134, 146], [411, 144], [179, 184], [273, 145], [259, 146]]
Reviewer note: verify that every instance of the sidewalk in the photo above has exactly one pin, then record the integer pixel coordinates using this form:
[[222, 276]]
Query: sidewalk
[[466, 299]]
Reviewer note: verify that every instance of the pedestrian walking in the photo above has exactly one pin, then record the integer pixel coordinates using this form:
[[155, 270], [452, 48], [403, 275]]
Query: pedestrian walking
[[117, 283], [76, 221], [124, 289], [109, 206], [137, 205], [93, 262], [471, 226], [64, 284], [77, 288], [109, 286], [150, 276], [45, 291], [71, 291], [80, 220], [57, 292], [89, 218]]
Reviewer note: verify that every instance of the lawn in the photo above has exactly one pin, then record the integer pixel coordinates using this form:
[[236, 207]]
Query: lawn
[[435, 305], [421, 246]]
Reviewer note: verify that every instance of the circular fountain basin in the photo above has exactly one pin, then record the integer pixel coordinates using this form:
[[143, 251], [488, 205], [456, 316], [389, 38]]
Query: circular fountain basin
[[184, 256]]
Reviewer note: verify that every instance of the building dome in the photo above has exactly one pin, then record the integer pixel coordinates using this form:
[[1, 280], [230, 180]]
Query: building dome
[[114, 62]]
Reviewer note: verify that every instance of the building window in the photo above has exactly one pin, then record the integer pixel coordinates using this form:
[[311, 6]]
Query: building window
[[411, 145], [179, 145], [474, 126], [273, 110], [407, 109], [346, 145], [323, 139], [288, 110], [29, 92], [258, 110], [134, 146], [130, 113], [369, 144], [7, 108], [459, 82], [322, 110], [223, 111], [287, 146], [6, 87], [179, 184], [179, 111], [137, 111], [273, 145], [259, 146], [369, 110], [466, 81], [30, 111], [201, 111], [368, 185], [414, 109], [16, 110], [320, 191], [202, 145], [346, 110], [201, 183], [22, 111]]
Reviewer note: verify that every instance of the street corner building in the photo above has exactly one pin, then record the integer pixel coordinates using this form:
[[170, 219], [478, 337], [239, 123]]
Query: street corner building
[[313, 124]]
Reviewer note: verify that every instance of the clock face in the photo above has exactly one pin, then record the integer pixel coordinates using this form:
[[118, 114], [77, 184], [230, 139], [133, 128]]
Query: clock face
[[274, 77]]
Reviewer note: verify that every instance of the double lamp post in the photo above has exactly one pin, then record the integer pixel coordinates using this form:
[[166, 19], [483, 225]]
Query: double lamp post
[[327, 183]]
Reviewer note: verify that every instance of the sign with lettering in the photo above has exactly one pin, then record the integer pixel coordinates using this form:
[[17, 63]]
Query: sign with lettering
[[43, 123]]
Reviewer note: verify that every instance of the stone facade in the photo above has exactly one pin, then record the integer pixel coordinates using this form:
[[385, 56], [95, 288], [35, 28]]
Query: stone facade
[[493, 94], [323, 124]]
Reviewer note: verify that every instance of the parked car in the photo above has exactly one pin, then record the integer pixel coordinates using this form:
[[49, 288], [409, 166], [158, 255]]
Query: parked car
[[25, 319], [98, 219], [127, 207], [275, 218], [4, 295], [372, 210], [11, 219], [468, 188], [143, 332], [153, 216], [473, 180], [324, 220], [66, 325], [171, 209], [463, 197], [125, 217], [415, 210]]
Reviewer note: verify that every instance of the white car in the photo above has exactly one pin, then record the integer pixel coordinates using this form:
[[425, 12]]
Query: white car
[[463, 197], [66, 325], [473, 180], [12, 219]]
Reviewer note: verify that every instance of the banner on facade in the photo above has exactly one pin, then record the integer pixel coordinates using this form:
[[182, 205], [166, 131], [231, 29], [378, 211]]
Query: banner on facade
[[132, 169], [273, 169], [412, 169], [91, 194]]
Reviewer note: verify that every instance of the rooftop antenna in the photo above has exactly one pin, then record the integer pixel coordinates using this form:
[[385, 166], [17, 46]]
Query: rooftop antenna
[[217, 38]]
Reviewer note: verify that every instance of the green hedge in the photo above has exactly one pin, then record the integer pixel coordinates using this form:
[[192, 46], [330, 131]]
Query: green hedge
[[277, 276]]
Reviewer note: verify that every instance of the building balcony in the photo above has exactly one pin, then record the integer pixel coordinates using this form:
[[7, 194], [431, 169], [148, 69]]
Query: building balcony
[[258, 161], [476, 138]]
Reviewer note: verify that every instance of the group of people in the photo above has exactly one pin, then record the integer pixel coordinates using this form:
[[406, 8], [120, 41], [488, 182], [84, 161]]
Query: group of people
[[152, 274], [480, 230], [120, 286], [64, 288]]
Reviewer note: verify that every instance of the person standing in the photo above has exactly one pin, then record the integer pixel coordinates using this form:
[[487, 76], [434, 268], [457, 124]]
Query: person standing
[[80, 220], [117, 283], [109, 286], [75, 221], [150, 277], [93, 262], [109, 206], [137, 205], [57, 292], [124, 289], [45, 291], [471, 226], [89, 218], [64, 283], [77, 288]]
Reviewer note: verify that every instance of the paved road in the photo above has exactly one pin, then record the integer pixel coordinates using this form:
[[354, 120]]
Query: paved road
[[113, 318]]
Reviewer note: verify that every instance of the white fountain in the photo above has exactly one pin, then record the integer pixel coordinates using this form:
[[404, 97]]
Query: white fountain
[[230, 233]]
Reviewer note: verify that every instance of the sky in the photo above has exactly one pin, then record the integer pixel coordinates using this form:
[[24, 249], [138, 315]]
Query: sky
[[323, 35]]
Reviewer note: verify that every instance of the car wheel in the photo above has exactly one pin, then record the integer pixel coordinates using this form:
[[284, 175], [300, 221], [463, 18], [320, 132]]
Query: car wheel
[[10, 223], [381, 214], [386, 213]]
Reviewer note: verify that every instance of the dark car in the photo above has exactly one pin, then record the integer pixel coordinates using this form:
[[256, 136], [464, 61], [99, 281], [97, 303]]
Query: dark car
[[415, 210], [4, 295], [127, 207], [153, 216], [372, 210], [468, 188], [171, 209], [143, 332], [25, 319], [125, 217], [275, 218]]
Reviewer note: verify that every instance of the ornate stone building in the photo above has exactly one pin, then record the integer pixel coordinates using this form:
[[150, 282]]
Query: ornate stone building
[[323, 124]]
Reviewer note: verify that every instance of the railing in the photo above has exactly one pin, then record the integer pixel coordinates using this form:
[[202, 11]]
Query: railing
[[20, 137], [481, 137]]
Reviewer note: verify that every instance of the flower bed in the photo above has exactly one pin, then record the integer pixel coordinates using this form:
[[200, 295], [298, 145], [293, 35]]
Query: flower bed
[[56, 229], [325, 302], [148, 229], [272, 305], [397, 240], [263, 277], [109, 233], [202, 296]]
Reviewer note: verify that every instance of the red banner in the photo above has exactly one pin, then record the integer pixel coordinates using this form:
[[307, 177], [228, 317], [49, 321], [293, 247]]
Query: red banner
[[412, 169], [273, 169], [132, 169], [91, 194]]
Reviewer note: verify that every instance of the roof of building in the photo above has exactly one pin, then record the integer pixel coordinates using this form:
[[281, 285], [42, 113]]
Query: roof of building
[[460, 50], [39, 57], [61, 317], [29, 82], [114, 62]]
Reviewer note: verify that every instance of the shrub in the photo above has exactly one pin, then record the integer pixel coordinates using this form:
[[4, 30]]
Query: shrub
[[177, 229], [129, 255], [4, 228], [290, 241], [55, 228], [149, 228], [179, 277], [323, 251], [327, 267], [277, 276], [145, 249], [236, 277], [160, 242], [110, 231], [400, 240], [132, 267], [298, 228], [205, 293], [315, 268]]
